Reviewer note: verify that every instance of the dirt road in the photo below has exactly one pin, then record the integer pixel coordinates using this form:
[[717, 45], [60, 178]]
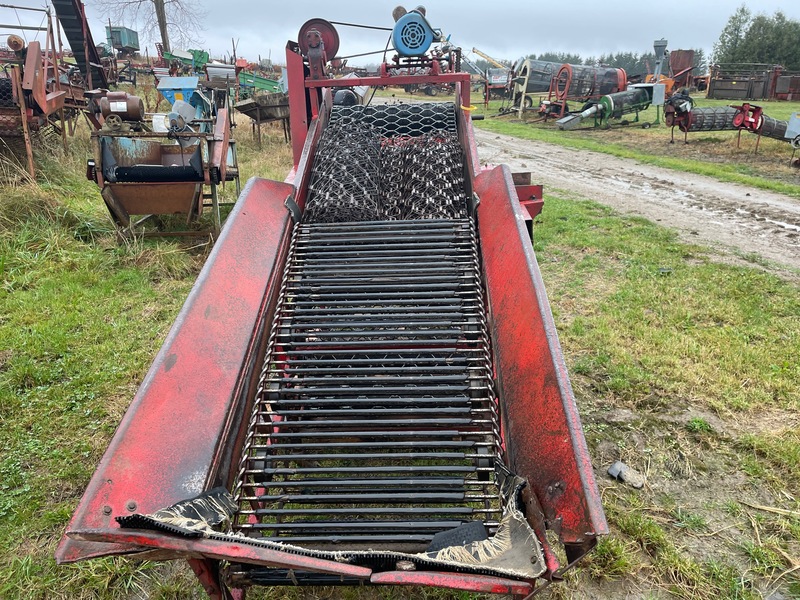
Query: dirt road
[[731, 218]]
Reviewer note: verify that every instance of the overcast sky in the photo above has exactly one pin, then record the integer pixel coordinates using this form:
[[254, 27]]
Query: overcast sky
[[501, 28]]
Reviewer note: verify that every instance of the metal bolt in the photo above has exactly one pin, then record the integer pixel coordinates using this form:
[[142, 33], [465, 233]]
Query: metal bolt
[[131, 506], [106, 510]]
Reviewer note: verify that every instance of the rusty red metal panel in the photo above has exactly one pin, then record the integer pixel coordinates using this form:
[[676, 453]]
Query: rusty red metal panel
[[544, 436], [207, 572], [303, 167], [218, 549], [32, 73], [164, 449], [467, 133], [456, 581], [156, 198], [680, 65], [531, 198], [298, 110]]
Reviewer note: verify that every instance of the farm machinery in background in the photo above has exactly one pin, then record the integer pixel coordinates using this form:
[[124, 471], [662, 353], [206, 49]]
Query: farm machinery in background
[[748, 81], [365, 386], [171, 165], [678, 76], [242, 77], [606, 93], [39, 92], [750, 117], [579, 83], [529, 76], [72, 17], [121, 46], [496, 77], [635, 99], [681, 113]]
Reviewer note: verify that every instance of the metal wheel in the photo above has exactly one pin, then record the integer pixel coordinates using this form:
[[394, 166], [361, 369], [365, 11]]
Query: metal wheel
[[113, 121], [330, 37]]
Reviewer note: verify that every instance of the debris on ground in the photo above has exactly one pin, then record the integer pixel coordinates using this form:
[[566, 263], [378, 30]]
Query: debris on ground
[[622, 472]]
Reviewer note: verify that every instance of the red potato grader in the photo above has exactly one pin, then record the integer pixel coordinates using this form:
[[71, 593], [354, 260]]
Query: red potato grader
[[365, 385]]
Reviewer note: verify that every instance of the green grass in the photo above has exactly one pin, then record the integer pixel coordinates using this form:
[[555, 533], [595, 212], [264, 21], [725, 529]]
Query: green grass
[[640, 334], [81, 319], [773, 455], [613, 558], [656, 326], [680, 573], [699, 425]]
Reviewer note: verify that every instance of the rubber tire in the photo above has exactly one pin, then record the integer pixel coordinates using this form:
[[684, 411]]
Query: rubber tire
[[527, 102]]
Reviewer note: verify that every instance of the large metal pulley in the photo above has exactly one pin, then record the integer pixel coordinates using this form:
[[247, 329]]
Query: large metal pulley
[[315, 31], [113, 122]]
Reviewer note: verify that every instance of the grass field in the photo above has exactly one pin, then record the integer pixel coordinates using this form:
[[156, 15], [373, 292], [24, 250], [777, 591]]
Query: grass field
[[684, 368]]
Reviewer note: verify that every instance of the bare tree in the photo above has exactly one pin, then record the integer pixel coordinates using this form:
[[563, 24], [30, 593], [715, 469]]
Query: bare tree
[[176, 20]]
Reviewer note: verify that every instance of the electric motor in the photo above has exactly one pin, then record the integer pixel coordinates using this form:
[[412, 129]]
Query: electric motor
[[412, 34]]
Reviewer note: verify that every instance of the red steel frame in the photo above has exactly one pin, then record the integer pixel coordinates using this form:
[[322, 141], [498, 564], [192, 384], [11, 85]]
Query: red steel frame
[[180, 433], [749, 117]]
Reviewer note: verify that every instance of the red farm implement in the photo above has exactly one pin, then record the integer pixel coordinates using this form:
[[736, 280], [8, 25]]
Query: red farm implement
[[365, 385], [39, 91]]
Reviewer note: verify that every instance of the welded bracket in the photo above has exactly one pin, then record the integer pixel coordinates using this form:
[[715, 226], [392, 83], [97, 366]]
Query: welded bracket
[[293, 209], [474, 202]]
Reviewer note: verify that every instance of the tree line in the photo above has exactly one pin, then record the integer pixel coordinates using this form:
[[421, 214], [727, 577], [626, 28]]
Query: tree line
[[746, 38], [633, 62]]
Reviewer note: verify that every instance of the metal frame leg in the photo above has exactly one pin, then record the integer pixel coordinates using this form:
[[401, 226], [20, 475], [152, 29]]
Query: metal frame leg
[[215, 210]]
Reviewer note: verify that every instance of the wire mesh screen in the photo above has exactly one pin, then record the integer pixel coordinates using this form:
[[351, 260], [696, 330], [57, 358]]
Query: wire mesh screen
[[422, 177], [391, 120], [10, 122], [6, 92], [345, 184], [387, 163]]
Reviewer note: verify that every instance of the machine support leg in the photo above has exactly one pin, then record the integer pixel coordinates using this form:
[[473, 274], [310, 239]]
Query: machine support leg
[[215, 210], [24, 116], [207, 572], [235, 153], [63, 128]]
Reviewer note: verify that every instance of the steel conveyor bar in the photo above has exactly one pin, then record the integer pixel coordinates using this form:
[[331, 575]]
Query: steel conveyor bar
[[376, 423]]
